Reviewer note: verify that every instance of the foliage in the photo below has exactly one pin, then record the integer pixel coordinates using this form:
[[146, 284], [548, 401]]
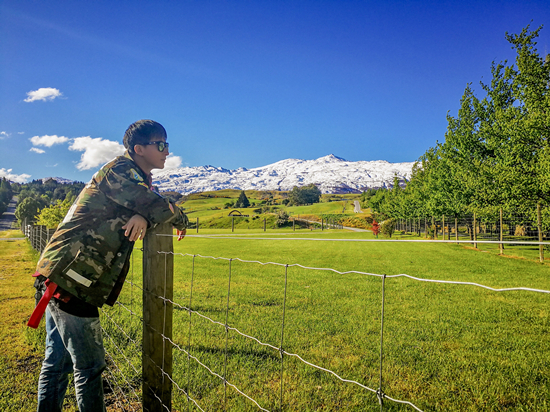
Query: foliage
[[282, 218], [27, 210], [52, 216], [304, 195], [242, 201], [387, 227], [6, 194], [375, 228], [496, 151]]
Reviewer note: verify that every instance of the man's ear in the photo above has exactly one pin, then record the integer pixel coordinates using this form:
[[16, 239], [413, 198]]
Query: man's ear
[[138, 149]]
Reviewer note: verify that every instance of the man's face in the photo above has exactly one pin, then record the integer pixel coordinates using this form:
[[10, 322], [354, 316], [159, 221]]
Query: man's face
[[152, 156]]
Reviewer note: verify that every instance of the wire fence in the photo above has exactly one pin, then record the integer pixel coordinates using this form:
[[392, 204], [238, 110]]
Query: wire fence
[[186, 344], [499, 226], [198, 368]]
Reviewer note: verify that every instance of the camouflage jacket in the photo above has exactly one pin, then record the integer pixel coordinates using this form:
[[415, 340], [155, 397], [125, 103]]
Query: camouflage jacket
[[88, 255]]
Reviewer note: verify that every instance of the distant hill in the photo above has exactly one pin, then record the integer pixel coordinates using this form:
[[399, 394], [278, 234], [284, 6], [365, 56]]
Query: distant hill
[[61, 180], [330, 173]]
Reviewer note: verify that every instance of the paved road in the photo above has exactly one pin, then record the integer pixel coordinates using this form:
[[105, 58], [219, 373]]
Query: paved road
[[357, 206], [8, 218]]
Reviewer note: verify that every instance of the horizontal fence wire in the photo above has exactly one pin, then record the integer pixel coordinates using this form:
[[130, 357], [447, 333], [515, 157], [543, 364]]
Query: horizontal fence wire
[[544, 243]]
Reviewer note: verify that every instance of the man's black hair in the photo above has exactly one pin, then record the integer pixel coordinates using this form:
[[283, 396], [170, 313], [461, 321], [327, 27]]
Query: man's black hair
[[141, 132]]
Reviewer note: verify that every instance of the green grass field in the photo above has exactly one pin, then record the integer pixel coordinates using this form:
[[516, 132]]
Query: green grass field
[[19, 357], [446, 347], [210, 205]]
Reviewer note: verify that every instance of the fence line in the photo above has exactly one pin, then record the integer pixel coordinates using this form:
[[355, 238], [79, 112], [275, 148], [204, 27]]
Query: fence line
[[511, 242]]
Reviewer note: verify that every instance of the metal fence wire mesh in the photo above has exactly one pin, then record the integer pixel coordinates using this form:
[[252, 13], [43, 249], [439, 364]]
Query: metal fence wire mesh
[[237, 344]]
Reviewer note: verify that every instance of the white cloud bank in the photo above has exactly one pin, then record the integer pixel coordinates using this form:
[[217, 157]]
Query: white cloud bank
[[3, 135], [36, 150], [172, 162], [44, 94], [47, 140], [22, 178], [96, 151]]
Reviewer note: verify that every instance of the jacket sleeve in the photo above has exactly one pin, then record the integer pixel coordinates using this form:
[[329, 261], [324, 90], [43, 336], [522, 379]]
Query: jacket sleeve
[[126, 187]]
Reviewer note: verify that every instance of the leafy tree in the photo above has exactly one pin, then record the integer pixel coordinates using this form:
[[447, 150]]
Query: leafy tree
[[52, 216], [242, 201], [387, 227], [375, 228], [28, 209], [496, 151], [304, 195]]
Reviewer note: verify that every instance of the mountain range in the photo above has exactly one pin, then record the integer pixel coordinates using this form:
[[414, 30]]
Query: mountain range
[[331, 174]]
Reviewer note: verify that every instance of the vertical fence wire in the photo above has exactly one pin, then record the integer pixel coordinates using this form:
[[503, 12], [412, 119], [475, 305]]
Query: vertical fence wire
[[380, 391], [281, 402], [189, 334]]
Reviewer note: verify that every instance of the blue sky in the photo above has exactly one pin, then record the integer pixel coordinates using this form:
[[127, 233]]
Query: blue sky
[[241, 83]]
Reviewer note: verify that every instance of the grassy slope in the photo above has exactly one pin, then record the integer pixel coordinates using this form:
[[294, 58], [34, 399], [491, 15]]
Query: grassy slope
[[210, 205]]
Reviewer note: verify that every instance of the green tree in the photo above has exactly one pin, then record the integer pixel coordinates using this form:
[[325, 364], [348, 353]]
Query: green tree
[[496, 151], [27, 210], [242, 201], [387, 227], [52, 216], [304, 195]]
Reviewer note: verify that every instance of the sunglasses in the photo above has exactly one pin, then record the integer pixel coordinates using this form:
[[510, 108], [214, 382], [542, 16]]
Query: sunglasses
[[160, 145]]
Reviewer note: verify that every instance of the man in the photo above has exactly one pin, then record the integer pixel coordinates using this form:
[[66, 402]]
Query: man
[[86, 261]]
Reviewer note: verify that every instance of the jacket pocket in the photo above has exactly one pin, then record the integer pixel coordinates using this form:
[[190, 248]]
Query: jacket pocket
[[84, 269]]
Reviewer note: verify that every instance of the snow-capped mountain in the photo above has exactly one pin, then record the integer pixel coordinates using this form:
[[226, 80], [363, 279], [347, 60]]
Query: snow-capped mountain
[[330, 173], [60, 180]]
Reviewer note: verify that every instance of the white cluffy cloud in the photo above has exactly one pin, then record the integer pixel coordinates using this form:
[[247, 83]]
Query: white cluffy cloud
[[96, 151], [3, 135], [22, 178], [36, 150], [48, 141], [44, 93], [172, 162]]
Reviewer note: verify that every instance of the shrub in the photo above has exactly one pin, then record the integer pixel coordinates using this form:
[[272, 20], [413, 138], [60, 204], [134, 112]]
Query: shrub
[[387, 227]]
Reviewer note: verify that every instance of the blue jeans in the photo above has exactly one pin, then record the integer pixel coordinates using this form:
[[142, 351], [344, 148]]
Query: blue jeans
[[73, 344]]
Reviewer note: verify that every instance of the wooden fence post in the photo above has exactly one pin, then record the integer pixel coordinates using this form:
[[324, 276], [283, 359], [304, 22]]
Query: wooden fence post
[[158, 282], [501, 235], [475, 231], [197, 225], [456, 229]]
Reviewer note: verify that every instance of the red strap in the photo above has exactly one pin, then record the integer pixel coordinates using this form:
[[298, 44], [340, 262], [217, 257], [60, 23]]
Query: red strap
[[38, 312]]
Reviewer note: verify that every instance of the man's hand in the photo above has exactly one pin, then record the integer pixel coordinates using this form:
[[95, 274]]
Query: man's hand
[[135, 228], [181, 233]]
